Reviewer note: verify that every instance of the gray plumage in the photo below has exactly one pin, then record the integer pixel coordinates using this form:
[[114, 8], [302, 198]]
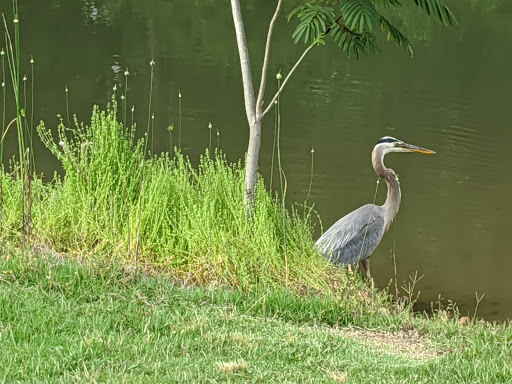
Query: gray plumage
[[354, 237]]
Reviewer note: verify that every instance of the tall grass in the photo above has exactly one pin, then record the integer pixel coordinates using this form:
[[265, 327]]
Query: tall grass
[[188, 220], [180, 119], [2, 56], [24, 166]]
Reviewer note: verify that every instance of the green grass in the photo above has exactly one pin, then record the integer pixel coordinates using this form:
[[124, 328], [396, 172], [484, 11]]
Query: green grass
[[65, 322], [114, 200]]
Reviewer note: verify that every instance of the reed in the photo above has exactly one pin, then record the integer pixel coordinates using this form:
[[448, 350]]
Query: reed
[[170, 129], [218, 139], [124, 96], [180, 119], [150, 105], [310, 175], [66, 93], [22, 167], [210, 127], [31, 131], [282, 178], [2, 56]]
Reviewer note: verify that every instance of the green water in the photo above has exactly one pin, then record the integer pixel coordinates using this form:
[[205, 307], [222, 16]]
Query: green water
[[453, 97]]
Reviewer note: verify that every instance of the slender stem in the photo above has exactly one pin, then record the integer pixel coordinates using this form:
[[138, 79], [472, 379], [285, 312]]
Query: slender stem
[[152, 65], [3, 110], [32, 114], [128, 225], [478, 300], [133, 113], [273, 148], [264, 70], [179, 111], [13, 61], [170, 145], [15, 74], [67, 106], [210, 142], [285, 248], [25, 94], [152, 134], [283, 185], [28, 130], [311, 175], [139, 220], [2, 141], [287, 78], [125, 99]]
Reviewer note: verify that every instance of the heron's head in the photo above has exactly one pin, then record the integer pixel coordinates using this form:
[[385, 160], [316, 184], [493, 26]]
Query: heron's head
[[389, 144]]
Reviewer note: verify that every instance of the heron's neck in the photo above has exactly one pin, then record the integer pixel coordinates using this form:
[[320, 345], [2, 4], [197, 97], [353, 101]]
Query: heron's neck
[[392, 203]]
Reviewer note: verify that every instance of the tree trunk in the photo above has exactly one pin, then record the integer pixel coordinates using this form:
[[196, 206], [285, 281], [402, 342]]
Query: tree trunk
[[253, 107], [253, 151], [251, 165]]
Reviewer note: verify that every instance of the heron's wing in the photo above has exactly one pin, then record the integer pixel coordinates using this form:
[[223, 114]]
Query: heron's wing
[[355, 236]]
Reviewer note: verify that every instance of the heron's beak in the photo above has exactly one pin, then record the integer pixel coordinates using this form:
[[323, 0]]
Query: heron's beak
[[412, 148]]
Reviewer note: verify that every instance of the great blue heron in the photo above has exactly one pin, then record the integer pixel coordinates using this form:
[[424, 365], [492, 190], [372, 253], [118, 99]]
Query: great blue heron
[[355, 236]]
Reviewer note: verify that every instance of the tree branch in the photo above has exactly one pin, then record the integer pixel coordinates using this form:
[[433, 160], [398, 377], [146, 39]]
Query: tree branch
[[337, 21], [245, 63], [287, 78], [263, 80]]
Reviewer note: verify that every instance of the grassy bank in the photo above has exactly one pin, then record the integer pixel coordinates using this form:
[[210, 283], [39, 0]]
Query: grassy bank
[[116, 200], [62, 321]]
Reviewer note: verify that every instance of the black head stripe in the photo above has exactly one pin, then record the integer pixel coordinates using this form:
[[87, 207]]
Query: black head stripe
[[387, 139]]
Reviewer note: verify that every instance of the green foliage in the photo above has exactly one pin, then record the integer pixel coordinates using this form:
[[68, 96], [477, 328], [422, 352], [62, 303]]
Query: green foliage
[[395, 35], [354, 44], [314, 21], [438, 10], [387, 3], [114, 202], [352, 23], [359, 15]]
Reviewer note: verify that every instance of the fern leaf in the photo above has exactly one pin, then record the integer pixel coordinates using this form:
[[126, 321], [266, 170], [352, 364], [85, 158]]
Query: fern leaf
[[314, 20], [387, 3], [354, 44], [395, 35], [438, 10], [360, 15], [294, 12]]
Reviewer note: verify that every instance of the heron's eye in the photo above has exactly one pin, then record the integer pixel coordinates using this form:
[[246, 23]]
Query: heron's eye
[[396, 144]]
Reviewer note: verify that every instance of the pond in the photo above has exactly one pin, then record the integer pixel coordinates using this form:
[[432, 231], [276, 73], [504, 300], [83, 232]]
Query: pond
[[452, 97]]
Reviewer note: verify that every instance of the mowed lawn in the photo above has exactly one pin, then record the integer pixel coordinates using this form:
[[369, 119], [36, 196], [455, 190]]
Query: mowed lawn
[[66, 322]]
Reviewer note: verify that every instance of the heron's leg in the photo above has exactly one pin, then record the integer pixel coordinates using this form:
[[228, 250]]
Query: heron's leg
[[366, 266]]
